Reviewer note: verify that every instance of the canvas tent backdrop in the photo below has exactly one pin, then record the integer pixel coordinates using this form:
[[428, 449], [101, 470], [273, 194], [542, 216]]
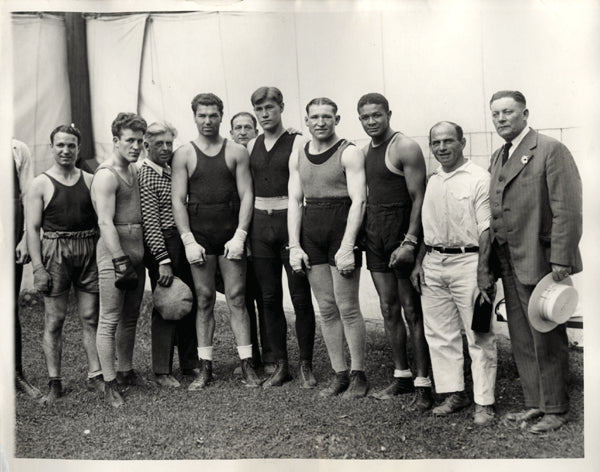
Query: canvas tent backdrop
[[432, 63]]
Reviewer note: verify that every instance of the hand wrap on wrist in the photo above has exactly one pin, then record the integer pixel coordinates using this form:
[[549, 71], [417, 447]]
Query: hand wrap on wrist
[[125, 275]]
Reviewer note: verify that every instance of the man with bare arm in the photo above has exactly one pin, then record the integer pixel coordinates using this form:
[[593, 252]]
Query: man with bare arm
[[329, 173], [120, 254], [59, 203], [269, 161], [395, 173], [212, 205], [243, 130]]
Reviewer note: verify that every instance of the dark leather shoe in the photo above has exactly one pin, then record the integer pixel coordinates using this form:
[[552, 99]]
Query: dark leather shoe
[[204, 376], [280, 376], [549, 422], [112, 395], [339, 384], [195, 372], [453, 403], [249, 376], [130, 378], [399, 386], [95, 384], [55, 391], [524, 415], [423, 399], [359, 386], [306, 375], [23, 385]]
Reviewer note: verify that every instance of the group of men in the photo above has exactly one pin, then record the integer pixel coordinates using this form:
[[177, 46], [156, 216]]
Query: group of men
[[310, 207]]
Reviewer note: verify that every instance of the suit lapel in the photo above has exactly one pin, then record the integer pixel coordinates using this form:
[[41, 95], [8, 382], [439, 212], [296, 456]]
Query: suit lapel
[[514, 165]]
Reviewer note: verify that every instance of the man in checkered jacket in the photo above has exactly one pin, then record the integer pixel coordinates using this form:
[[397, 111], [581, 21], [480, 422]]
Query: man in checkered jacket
[[164, 256]]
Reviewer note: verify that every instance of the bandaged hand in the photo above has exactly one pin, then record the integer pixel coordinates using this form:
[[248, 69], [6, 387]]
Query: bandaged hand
[[297, 257], [234, 248], [194, 252], [42, 280], [344, 258], [125, 275]]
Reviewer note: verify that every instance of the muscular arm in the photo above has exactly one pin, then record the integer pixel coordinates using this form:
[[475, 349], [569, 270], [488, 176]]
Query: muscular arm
[[243, 180], [406, 154], [353, 161], [35, 209], [294, 218], [104, 189], [295, 200], [179, 189]]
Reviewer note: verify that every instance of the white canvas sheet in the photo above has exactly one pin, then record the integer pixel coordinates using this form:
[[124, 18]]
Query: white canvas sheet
[[41, 84], [114, 58]]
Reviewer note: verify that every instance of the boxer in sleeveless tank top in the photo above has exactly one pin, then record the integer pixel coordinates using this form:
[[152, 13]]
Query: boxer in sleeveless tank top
[[395, 173], [120, 253], [269, 163], [212, 206], [59, 203], [329, 173]]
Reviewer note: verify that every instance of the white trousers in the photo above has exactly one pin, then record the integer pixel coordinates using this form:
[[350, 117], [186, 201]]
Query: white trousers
[[448, 297]]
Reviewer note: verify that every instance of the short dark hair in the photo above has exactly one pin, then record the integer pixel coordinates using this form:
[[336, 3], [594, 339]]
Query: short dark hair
[[264, 93], [131, 121], [322, 101], [373, 99], [457, 128], [207, 99], [244, 113], [69, 129], [514, 94]]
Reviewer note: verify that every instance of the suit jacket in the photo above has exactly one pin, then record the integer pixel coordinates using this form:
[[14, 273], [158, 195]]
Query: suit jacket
[[536, 205]]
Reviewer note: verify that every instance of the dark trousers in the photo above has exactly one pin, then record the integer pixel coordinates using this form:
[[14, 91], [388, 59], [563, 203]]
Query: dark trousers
[[18, 345], [542, 358], [268, 273], [167, 334], [261, 350]]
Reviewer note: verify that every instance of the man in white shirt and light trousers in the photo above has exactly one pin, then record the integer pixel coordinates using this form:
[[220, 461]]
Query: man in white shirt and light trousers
[[453, 270]]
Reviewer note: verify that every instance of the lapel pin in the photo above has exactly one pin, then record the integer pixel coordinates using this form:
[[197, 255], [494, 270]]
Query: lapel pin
[[524, 160]]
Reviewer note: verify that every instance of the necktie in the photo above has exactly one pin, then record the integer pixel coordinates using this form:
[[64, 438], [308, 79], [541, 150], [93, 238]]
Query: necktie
[[505, 150]]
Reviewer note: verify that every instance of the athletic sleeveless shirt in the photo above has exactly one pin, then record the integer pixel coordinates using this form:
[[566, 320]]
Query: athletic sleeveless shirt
[[212, 182], [270, 171], [384, 186], [70, 208], [322, 175], [128, 209]]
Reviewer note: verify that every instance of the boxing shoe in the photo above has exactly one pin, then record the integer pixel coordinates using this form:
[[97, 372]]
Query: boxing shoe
[[339, 384], [280, 376], [249, 376], [359, 386], [306, 375], [112, 395], [130, 378], [23, 385], [399, 385], [204, 377]]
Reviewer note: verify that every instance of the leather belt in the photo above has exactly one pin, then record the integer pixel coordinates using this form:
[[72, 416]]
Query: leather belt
[[452, 250]]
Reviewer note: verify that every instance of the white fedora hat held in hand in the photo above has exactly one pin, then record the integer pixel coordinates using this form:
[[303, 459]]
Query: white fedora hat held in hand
[[552, 303]]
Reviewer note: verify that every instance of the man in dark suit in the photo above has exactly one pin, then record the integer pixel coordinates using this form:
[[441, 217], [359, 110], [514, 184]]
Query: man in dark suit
[[535, 199]]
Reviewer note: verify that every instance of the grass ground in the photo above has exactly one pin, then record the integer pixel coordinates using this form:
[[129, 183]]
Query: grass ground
[[229, 421]]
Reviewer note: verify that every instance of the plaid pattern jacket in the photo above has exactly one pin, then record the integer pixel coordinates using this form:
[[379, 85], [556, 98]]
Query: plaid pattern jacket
[[157, 212]]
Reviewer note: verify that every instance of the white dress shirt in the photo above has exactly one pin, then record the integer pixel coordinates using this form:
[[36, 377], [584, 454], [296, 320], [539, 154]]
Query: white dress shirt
[[456, 207]]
